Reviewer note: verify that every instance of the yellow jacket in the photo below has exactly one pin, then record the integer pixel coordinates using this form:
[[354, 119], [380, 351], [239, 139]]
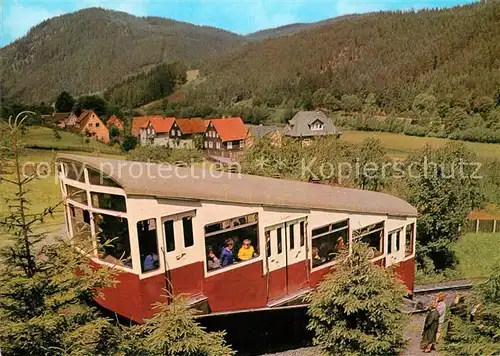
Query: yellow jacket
[[246, 253]]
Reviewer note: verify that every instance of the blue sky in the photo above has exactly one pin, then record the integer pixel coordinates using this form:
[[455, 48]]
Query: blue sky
[[240, 16]]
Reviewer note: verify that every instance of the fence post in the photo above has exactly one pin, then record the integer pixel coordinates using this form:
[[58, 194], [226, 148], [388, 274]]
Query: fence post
[[494, 225], [477, 226]]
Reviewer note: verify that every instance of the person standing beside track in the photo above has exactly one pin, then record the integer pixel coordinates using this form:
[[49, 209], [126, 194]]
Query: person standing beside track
[[441, 309]]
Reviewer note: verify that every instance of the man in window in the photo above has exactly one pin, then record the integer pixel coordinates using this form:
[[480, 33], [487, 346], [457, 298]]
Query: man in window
[[226, 256]]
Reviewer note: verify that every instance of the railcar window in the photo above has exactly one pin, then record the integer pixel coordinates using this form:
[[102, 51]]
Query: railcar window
[[302, 233], [187, 225], [99, 178], [148, 245], [108, 201], [113, 239], [80, 228], [74, 171], [291, 235], [231, 241], [393, 241], [373, 236], [268, 243], [409, 239], [280, 240], [328, 241], [76, 194], [169, 235]]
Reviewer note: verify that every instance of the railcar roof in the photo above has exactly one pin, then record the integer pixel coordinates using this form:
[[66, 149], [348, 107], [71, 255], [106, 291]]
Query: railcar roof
[[168, 181]]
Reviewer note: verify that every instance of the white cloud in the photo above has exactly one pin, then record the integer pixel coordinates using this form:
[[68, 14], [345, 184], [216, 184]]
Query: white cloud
[[20, 18]]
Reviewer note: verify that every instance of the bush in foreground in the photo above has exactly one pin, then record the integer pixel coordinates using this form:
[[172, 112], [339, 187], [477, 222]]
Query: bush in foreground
[[355, 311]]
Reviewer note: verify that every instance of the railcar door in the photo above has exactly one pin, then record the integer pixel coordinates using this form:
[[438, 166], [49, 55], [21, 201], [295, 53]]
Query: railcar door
[[179, 254], [286, 261]]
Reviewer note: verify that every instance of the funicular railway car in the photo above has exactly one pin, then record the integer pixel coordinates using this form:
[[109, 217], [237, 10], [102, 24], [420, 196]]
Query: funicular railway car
[[226, 241]]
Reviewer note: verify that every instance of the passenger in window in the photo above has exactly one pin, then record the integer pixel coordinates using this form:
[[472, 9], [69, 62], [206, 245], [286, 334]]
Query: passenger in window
[[340, 244], [150, 262], [212, 260], [226, 256], [316, 258], [246, 251]]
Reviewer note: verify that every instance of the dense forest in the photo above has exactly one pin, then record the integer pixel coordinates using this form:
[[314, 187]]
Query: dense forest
[[148, 86], [391, 58], [93, 49]]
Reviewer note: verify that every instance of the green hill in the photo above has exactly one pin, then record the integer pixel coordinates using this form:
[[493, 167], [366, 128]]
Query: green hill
[[453, 54], [93, 49]]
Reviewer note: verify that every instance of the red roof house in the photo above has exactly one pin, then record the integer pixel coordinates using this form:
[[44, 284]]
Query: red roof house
[[225, 137]]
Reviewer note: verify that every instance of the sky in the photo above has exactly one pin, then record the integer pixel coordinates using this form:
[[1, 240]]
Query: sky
[[240, 16]]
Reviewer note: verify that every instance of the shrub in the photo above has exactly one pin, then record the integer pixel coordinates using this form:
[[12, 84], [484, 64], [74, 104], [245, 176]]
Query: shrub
[[355, 311]]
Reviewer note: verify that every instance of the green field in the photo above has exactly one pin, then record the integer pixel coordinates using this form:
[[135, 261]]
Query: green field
[[43, 138], [399, 145]]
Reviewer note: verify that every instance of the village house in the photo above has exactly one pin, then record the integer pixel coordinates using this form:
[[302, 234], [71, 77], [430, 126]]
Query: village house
[[156, 131], [306, 125], [89, 124], [61, 119], [116, 122], [189, 129], [225, 138], [273, 133]]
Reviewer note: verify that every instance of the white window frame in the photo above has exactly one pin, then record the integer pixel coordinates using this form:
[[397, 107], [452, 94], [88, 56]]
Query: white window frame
[[206, 144], [210, 144], [217, 145], [242, 144], [230, 145]]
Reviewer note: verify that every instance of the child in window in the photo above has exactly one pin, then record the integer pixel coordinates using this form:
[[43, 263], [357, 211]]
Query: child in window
[[212, 260], [226, 256], [246, 251]]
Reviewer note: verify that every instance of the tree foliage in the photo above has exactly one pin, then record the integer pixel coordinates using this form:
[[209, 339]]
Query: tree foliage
[[44, 302], [101, 47], [64, 102], [481, 336], [173, 331], [143, 88], [355, 311], [443, 184]]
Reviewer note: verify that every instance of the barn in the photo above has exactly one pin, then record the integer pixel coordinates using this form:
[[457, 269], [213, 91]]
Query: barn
[[226, 241]]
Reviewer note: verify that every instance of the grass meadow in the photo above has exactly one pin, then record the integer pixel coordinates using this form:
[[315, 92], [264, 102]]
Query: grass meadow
[[476, 255], [400, 146], [43, 138]]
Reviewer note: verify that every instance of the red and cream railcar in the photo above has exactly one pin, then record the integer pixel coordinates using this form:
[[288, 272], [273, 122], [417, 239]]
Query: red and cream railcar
[[163, 220]]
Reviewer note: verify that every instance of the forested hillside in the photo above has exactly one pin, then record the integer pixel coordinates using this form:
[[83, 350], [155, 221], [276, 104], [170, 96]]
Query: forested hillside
[[452, 55], [145, 87], [93, 49]]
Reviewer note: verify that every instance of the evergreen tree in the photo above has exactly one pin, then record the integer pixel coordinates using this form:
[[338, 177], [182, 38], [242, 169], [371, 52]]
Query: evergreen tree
[[173, 331], [44, 305], [64, 102], [481, 336], [354, 311], [443, 185]]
